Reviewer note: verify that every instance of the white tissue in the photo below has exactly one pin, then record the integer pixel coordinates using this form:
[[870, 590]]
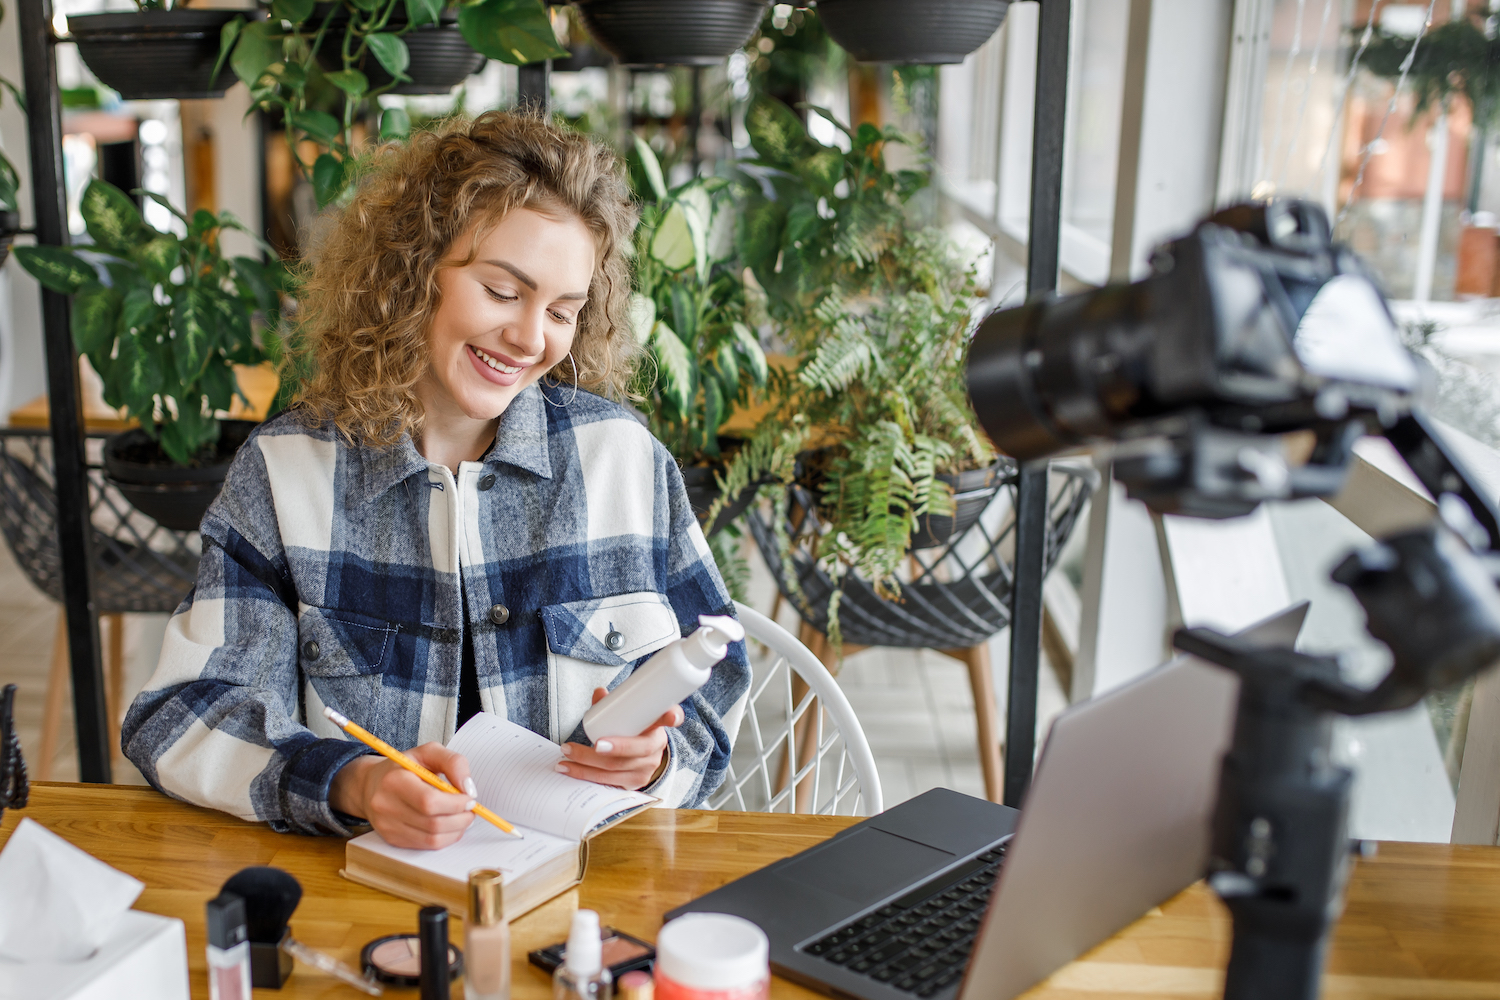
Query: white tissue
[[61, 903]]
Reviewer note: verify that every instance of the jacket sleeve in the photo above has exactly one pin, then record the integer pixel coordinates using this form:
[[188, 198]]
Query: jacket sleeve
[[699, 749], [219, 723]]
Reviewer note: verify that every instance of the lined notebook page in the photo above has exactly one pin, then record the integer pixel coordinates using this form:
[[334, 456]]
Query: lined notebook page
[[513, 769], [482, 846]]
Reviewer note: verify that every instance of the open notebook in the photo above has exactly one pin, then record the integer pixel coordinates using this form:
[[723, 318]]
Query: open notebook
[[513, 769]]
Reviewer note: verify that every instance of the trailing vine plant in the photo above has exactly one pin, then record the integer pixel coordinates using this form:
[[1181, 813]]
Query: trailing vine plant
[[281, 60]]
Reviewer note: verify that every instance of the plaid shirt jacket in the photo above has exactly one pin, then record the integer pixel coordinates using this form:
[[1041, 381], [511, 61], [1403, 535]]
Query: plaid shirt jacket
[[331, 575]]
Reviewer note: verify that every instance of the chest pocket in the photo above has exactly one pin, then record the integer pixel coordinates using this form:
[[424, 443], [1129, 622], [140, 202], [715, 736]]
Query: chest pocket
[[592, 643], [343, 656]]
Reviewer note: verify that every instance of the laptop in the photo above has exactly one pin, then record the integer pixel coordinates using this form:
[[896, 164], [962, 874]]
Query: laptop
[[905, 904]]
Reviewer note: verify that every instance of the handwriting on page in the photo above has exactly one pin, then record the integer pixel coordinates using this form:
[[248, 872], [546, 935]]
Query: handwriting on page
[[513, 769]]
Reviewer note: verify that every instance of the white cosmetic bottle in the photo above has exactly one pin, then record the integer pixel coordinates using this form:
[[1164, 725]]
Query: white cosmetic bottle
[[666, 679]]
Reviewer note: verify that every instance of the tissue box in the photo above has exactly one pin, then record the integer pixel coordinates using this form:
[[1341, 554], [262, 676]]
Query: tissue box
[[144, 959]]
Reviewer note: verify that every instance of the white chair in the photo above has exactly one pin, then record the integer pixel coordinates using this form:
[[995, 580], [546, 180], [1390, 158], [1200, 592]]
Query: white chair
[[800, 747]]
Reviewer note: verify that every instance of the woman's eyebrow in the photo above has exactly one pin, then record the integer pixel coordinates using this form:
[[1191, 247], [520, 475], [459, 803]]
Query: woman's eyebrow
[[529, 282]]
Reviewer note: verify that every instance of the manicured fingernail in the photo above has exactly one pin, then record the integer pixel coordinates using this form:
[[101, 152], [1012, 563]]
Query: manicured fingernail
[[567, 749], [604, 746], [563, 768], [471, 804], [469, 787]]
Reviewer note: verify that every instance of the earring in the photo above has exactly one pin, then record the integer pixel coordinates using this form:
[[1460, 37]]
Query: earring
[[573, 365]]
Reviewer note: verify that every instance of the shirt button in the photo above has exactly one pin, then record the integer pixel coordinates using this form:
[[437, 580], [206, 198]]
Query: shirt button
[[487, 482], [499, 614], [311, 649], [614, 641]]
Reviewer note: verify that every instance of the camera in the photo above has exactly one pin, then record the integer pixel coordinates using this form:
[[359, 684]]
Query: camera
[[1242, 369]]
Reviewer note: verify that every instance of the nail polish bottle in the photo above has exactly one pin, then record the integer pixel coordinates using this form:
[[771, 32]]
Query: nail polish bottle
[[486, 939], [228, 949]]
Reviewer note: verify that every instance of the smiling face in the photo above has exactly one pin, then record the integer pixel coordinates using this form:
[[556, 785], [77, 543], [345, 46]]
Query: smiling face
[[506, 318]]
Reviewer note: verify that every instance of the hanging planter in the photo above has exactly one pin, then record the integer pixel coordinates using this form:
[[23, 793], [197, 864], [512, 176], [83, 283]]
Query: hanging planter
[[174, 496], [440, 57], [154, 54], [953, 597], [911, 31], [671, 32]]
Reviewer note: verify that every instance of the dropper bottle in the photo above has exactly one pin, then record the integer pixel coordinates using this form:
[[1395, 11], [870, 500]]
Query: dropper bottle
[[582, 976]]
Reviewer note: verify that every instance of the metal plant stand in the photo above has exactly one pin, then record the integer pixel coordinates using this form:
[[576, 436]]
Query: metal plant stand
[[954, 597], [44, 130]]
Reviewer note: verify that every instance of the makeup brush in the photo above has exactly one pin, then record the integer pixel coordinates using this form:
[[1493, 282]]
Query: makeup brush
[[271, 896]]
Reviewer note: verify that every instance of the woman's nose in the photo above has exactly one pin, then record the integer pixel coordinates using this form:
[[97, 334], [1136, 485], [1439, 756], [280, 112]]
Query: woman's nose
[[528, 333]]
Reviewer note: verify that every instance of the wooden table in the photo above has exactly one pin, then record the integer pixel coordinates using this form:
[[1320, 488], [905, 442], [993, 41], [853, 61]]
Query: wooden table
[[1423, 920]]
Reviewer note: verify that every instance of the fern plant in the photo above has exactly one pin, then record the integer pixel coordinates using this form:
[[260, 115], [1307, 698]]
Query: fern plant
[[877, 315]]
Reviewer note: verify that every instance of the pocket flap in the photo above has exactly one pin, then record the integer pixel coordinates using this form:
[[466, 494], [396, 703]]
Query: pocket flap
[[332, 643], [610, 630]]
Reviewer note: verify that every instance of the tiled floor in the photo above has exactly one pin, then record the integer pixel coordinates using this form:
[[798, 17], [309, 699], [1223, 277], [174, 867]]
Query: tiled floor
[[915, 705]]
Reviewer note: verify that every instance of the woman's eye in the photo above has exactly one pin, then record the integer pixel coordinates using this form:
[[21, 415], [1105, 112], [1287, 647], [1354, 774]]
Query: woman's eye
[[500, 296], [562, 317]]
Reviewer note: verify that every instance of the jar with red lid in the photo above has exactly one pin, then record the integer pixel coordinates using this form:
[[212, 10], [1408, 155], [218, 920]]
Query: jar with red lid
[[712, 956]]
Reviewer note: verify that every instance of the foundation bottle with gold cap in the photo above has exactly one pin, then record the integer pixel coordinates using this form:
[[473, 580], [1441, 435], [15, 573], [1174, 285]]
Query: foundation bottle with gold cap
[[486, 939]]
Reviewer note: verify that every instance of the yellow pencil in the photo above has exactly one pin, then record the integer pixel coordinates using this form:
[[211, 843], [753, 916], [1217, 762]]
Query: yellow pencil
[[437, 781]]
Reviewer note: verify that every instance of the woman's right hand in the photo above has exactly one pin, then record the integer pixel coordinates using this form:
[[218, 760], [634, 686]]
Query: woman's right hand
[[405, 810]]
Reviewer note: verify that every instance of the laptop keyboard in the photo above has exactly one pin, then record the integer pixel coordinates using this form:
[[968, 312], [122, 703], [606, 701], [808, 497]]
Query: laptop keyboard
[[921, 942]]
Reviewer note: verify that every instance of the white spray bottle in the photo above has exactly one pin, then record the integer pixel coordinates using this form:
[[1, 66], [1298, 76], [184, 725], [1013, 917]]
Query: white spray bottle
[[666, 679]]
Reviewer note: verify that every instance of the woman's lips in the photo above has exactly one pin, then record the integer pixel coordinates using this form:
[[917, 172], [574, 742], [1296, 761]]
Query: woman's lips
[[492, 374]]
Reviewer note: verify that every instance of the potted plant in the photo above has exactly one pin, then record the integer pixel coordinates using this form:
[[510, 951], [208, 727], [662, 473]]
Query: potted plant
[[371, 45], [161, 49], [911, 31], [690, 315], [671, 32], [439, 56], [164, 319], [870, 433]]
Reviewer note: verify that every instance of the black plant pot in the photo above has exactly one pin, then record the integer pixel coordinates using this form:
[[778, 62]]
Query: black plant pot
[[972, 492], [703, 490], [441, 58], [671, 32], [911, 31], [173, 496], [153, 54]]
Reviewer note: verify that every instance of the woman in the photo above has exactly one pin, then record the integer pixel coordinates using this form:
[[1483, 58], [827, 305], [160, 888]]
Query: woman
[[452, 520]]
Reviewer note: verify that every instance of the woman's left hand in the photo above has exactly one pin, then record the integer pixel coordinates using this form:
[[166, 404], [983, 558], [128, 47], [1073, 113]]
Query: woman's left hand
[[623, 761]]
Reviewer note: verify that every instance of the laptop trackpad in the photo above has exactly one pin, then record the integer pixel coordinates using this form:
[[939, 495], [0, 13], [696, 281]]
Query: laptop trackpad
[[866, 865]]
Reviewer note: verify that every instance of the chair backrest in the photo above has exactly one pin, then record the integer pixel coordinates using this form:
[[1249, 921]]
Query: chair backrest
[[800, 747]]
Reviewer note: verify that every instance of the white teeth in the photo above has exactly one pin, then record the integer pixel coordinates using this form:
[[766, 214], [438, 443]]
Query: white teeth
[[507, 369]]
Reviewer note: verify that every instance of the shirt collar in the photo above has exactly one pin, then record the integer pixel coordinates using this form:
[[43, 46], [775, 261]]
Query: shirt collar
[[375, 470], [522, 438], [521, 441]]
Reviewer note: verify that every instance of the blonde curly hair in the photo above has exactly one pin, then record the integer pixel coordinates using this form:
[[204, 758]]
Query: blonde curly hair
[[370, 283]]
